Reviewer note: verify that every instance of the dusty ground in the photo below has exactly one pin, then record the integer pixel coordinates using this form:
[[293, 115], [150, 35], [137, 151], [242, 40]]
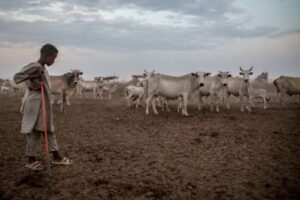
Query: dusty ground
[[121, 153]]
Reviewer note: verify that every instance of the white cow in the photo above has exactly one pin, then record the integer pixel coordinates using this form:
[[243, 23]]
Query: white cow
[[286, 85], [172, 87], [8, 87], [84, 86], [213, 87], [5, 89], [134, 94], [259, 93], [238, 87], [107, 86]]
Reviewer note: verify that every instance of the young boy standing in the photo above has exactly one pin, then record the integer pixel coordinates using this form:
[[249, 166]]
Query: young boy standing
[[32, 123]]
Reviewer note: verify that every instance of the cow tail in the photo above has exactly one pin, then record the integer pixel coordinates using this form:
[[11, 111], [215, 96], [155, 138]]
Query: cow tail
[[276, 85]]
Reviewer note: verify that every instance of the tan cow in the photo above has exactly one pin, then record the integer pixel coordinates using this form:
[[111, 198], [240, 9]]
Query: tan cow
[[286, 85], [63, 85]]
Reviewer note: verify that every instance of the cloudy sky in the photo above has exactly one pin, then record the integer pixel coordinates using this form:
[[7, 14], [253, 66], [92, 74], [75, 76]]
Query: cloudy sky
[[124, 37]]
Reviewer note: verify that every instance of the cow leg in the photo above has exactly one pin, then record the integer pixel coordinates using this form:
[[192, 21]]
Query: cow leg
[[226, 99], [185, 103], [148, 100], [200, 102], [62, 100], [68, 100], [179, 107], [248, 107], [212, 102], [242, 102], [265, 102], [129, 100], [154, 106], [167, 106], [218, 100], [138, 102]]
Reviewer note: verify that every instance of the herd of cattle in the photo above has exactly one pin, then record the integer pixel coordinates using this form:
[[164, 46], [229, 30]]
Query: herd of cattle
[[158, 89]]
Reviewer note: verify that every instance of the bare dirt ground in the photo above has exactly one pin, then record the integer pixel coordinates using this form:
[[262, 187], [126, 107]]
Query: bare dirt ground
[[121, 153]]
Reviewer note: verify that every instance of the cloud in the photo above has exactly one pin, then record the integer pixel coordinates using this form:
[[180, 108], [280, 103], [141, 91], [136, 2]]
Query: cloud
[[127, 25]]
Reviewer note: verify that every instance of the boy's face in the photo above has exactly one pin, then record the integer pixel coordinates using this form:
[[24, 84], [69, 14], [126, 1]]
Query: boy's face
[[49, 59]]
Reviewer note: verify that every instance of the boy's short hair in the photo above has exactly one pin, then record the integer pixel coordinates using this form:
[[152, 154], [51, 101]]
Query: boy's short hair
[[48, 49]]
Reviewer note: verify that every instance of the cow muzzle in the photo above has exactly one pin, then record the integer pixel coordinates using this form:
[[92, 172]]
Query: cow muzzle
[[224, 84], [246, 80], [201, 84]]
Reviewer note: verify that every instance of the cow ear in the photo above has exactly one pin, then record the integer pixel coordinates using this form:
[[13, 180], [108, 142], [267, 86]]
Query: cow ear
[[219, 75], [250, 73], [241, 73], [195, 74], [229, 75], [80, 73], [207, 74]]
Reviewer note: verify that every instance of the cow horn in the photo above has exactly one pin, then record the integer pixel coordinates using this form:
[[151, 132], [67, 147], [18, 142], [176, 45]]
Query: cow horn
[[241, 69], [251, 68]]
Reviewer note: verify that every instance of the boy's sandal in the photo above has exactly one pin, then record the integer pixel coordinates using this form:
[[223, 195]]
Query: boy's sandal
[[64, 161], [35, 166]]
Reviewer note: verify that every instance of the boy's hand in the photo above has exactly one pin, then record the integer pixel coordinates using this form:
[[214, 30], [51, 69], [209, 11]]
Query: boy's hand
[[37, 74]]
